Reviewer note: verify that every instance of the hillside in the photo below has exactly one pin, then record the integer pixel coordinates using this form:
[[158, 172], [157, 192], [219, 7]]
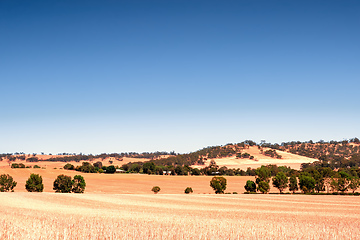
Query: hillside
[[287, 159], [242, 155]]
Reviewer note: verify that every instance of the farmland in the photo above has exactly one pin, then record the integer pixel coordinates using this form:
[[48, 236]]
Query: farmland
[[177, 216]]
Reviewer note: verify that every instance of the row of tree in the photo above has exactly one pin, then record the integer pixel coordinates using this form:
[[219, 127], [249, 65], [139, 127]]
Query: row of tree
[[306, 181], [62, 184]]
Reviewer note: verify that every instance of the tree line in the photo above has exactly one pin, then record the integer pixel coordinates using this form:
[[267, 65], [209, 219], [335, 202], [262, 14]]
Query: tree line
[[62, 184]]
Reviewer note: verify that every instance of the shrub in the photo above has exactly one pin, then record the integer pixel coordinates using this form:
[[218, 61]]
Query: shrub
[[155, 189], [36, 166], [14, 165], [218, 184], [69, 166], [250, 186], [78, 184], [63, 184], [34, 183], [188, 190], [7, 183]]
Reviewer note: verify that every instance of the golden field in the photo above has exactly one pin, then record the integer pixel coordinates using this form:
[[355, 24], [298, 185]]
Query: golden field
[[177, 216]]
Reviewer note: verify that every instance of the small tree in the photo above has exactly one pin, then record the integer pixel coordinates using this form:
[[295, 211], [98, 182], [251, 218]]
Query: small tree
[[218, 184], [7, 183], [263, 187], [63, 184], [280, 181], [188, 190], [354, 183], [250, 186], [293, 186], [156, 189], [78, 184], [34, 183]]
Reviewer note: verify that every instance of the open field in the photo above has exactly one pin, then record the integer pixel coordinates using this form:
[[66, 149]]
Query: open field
[[126, 183], [177, 216]]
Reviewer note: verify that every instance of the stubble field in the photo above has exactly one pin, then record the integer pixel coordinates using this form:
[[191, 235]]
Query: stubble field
[[177, 216]]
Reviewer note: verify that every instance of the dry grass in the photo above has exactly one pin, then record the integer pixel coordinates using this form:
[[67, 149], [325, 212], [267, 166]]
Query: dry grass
[[177, 216]]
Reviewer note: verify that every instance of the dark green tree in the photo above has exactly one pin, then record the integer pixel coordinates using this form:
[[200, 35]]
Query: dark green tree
[[280, 181], [148, 167], [250, 186], [110, 169], [293, 185], [78, 184], [63, 184], [307, 183], [218, 184], [7, 183], [263, 174], [34, 183], [263, 187]]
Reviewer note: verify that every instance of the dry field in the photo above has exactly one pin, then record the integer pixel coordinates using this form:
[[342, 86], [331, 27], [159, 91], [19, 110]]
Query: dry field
[[177, 216], [126, 183]]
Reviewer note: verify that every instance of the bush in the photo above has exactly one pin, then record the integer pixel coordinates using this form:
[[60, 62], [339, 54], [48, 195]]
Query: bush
[[188, 190], [69, 166], [218, 184], [78, 184], [7, 183], [156, 189], [36, 166], [63, 184], [250, 186], [34, 183]]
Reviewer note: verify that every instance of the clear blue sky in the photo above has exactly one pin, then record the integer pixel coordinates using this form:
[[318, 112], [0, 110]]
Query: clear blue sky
[[118, 76]]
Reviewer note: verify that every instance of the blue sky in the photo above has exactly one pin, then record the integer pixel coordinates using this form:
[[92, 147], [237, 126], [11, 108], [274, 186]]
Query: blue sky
[[118, 76]]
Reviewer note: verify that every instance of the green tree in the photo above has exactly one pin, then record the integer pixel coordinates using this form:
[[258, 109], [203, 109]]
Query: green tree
[[263, 187], [263, 174], [307, 183], [78, 184], [354, 183], [218, 184], [148, 167], [7, 183], [110, 169], [293, 185], [344, 181], [250, 186], [280, 181], [156, 189], [34, 183], [63, 184], [188, 190]]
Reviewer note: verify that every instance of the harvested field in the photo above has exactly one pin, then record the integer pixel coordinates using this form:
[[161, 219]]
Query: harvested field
[[177, 216]]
